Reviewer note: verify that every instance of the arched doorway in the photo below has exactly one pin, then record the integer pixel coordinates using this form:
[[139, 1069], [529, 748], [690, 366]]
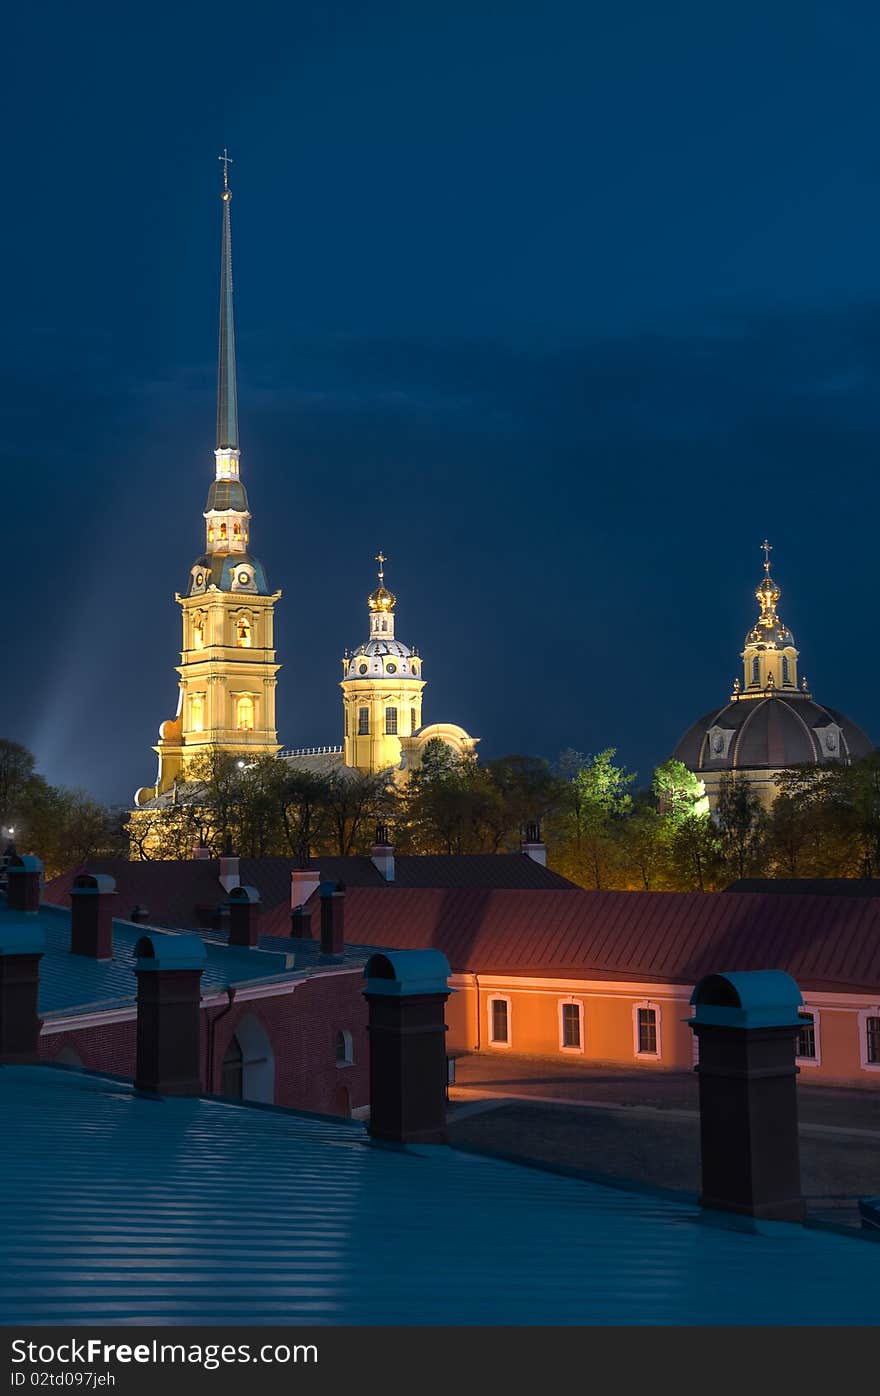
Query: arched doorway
[[343, 1102], [248, 1070]]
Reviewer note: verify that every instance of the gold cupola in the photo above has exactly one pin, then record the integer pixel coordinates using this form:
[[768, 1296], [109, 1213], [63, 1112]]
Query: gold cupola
[[769, 655]]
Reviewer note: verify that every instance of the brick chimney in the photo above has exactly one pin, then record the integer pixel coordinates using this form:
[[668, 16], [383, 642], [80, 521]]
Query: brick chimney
[[245, 909], [301, 923], [91, 915], [169, 969], [229, 874], [382, 853], [747, 1026], [21, 946], [332, 918], [407, 992], [23, 883], [201, 854], [533, 846], [303, 882]]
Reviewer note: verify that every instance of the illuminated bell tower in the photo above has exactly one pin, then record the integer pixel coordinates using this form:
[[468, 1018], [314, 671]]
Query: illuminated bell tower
[[381, 689], [227, 669], [769, 656]]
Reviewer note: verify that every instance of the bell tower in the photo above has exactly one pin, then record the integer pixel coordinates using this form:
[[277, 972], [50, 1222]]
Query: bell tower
[[381, 689], [227, 663]]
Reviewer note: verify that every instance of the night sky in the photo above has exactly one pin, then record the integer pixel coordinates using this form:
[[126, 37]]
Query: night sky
[[563, 305]]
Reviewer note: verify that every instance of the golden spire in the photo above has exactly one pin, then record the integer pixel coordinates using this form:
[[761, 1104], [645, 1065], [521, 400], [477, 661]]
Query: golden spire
[[381, 599]]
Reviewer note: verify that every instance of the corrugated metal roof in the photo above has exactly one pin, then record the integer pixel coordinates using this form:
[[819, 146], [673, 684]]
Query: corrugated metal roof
[[72, 983], [671, 936], [196, 1212]]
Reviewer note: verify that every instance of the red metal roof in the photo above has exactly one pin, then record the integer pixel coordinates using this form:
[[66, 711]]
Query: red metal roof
[[823, 942]]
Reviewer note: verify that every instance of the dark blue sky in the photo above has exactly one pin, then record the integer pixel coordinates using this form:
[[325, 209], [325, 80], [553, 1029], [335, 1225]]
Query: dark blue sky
[[563, 305]]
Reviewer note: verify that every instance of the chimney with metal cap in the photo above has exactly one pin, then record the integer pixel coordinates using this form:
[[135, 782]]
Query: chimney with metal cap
[[747, 1025], [407, 991], [332, 918], [91, 915], [245, 909], [169, 970], [382, 853], [23, 875], [303, 882], [21, 946], [533, 846]]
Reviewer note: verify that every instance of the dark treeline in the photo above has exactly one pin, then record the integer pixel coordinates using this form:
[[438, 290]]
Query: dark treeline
[[600, 830]]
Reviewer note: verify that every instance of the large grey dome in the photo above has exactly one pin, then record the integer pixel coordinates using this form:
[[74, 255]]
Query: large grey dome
[[770, 733]]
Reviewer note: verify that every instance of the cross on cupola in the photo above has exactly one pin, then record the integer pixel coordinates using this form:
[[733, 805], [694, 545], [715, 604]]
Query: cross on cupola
[[767, 549], [381, 559]]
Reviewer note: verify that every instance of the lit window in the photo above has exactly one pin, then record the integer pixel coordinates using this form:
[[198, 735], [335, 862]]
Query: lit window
[[344, 1049], [786, 670], [244, 713], [244, 633], [571, 1025], [363, 722], [647, 1025], [237, 530], [197, 712], [199, 635], [872, 1040], [499, 1020], [384, 624], [756, 669], [210, 533], [223, 530], [391, 722], [413, 721], [806, 1038]]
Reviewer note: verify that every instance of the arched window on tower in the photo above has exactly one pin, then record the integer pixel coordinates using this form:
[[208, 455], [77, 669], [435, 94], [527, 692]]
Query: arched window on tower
[[384, 623], [222, 531], [210, 533], [237, 530], [244, 712], [243, 633], [197, 713], [786, 669], [199, 634], [756, 669]]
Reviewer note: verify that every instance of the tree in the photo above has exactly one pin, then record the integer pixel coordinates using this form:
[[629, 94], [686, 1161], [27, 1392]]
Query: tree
[[679, 793], [17, 778], [740, 825], [585, 831]]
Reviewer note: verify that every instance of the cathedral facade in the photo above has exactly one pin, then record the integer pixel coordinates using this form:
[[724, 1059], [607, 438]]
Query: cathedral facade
[[771, 721]]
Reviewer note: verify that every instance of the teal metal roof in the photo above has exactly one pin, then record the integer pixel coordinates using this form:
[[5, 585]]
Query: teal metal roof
[[198, 1212], [76, 983]]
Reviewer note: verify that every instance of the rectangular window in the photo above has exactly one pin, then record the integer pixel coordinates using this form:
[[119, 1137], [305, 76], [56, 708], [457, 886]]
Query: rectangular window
[[648, 1030], [499, 1020], [413, 724], [391, 722], [806, 1038], [872, 1033], [571, 1025], [363, 722]]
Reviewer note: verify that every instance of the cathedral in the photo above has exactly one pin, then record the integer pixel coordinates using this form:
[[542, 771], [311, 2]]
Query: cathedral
[[771, 720], [227, 670]]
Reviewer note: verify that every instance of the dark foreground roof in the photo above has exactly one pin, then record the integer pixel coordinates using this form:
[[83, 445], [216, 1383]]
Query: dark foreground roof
[[198, 1212], [810, 886]]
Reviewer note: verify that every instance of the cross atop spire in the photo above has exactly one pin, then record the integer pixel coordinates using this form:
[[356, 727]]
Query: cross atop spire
[[227, 393], [767, 549], [381, 559], [227, 161]]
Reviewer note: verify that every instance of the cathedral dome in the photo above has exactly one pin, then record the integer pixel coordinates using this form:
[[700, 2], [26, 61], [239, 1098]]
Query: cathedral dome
[[770, 733], [381, 657]]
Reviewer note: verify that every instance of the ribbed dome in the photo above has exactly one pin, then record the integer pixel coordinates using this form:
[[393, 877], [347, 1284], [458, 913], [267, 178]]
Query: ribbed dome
[[770, 733], [227, 494], [776, 636]]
